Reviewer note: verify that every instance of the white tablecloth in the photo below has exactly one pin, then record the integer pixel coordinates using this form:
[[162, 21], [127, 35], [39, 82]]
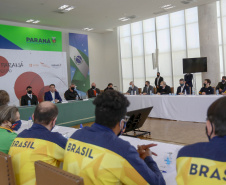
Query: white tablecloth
[[161, 149], [181, 108]]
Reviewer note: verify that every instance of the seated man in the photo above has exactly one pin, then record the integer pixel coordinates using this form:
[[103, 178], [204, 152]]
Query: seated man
[[164, 89], [182, 88], [109, 87], [97, 154], [93, 92], [71, 93], [147, 88], [132, 89], [4, 98], [52, 95], [29, 96], [221, 85], [205, 163], [207, 89], [37, 143]]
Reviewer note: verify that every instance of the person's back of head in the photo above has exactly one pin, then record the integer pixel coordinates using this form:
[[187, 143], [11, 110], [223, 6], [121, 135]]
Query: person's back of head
[[4, 97], [45, 113], [111, 107], [217, 117], [8, 115]]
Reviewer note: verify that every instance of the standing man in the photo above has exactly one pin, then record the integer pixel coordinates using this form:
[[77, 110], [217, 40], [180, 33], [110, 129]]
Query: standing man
[[188, 80], [158, 81], [93, 92], [207, 89], [221, 85], [71, 93], [164, 89], [29, 96], [147, 88], [132, 88], [52, 95], [182, 88]]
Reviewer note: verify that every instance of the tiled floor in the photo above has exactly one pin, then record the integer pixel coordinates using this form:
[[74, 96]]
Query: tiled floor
[[176, 132]]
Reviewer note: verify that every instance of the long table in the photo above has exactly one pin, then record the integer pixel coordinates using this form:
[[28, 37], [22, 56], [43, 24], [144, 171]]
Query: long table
[[70, 113], [161, 149], [182, 108]]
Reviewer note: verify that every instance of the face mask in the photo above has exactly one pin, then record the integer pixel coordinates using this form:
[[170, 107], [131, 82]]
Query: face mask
[[29, 92], [93, 87], [181, 85], [16, 126], [122, 129], [72, 88], [223, 81], [110, 88], [157, 75], [131, 86], [146, 85], [204, 85]]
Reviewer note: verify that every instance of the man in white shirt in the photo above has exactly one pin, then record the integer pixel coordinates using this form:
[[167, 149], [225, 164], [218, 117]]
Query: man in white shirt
[[52, 95]]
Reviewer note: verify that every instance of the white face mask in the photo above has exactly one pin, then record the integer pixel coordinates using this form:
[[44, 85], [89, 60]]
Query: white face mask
[[131, 86]]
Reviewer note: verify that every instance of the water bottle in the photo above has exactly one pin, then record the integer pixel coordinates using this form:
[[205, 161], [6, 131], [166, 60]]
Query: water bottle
[[96, 94], [135, 92], [131, 93], [53, 102], [185, 92], [29, 123], [81, 126], [76, 97], [193, 92], [150, 92], [168, 161], [29, 103], [217, 92]]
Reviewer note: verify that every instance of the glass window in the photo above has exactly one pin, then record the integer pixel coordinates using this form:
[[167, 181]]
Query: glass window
[[149, 25], [137, 28], [125, 30]]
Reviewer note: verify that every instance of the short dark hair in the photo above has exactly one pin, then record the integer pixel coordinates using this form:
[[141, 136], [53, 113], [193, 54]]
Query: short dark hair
[[8, 113], [158, 72], [110, 84], [45, 114], [52, 85], [111, 107], [208, 81], [216, 115], [224, 77], [28, 87], [148, 82], [4, 97], [181, 80]]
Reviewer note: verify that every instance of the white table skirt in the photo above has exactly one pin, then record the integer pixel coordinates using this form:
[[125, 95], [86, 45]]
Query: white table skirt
[[160, 150], [181, 108]]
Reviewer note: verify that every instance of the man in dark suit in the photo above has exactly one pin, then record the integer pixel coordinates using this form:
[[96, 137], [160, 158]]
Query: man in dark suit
[[182, 88], [164, 89], [29, 96], [158, 81], [221, 85], [109, 87], [188, 80], [93, 91], [71, 93], [52, 95], [207, 89], [147, 88]]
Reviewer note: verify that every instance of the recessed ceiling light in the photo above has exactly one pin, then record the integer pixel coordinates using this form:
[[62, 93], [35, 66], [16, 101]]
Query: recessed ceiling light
[[30, 20], [169, 7], [35, 22], [165, 6], [87, 29], [124, 19], [63, 7], [70, 8]]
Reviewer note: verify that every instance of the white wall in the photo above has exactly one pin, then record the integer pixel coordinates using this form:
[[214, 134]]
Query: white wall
[[103, 53]]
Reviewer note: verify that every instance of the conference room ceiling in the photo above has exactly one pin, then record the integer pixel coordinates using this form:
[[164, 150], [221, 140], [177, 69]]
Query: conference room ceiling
[[102, 15]]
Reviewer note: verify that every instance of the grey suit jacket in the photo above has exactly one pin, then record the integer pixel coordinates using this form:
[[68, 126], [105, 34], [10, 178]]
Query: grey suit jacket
[[147, 90], [134, 89]]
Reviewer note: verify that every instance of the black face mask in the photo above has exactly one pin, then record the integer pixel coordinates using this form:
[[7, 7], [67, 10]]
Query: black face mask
[[110, 88], [146, 85], [93, 87], [29, 92], [72, 88], [157, 75], [204, 85]]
